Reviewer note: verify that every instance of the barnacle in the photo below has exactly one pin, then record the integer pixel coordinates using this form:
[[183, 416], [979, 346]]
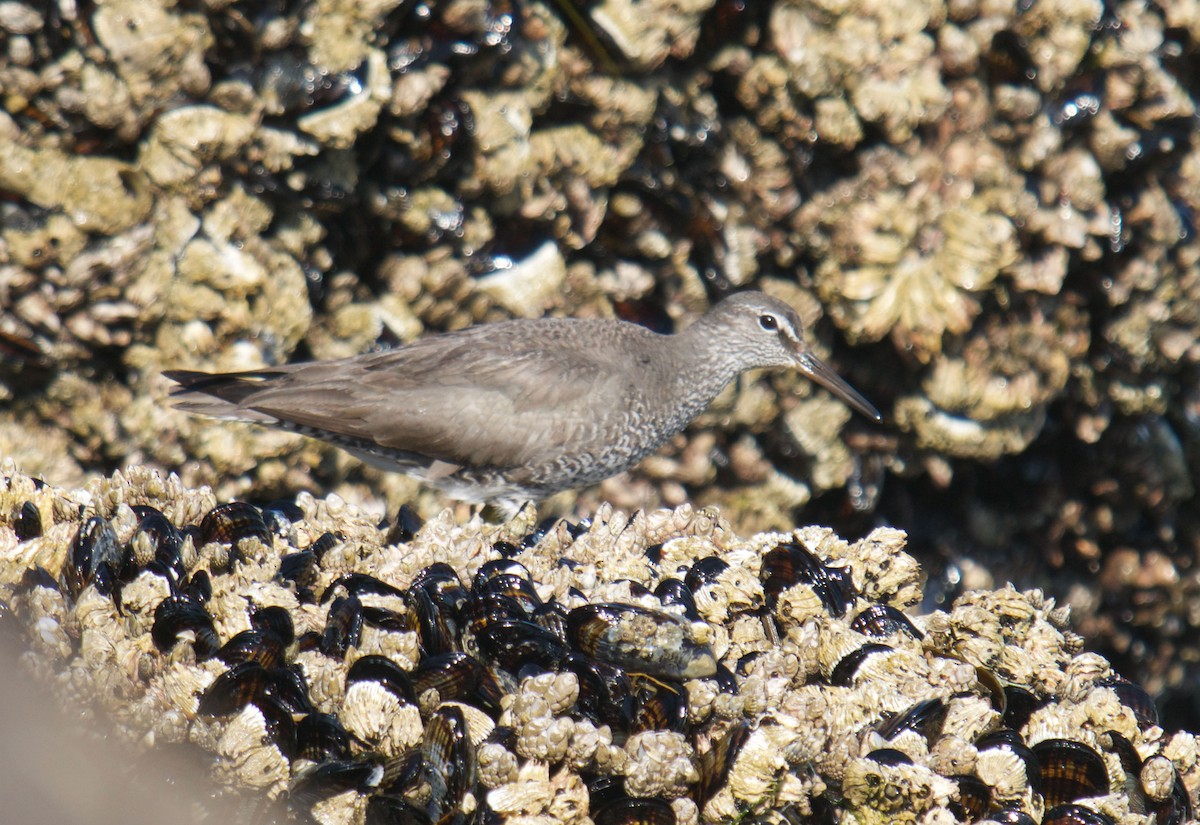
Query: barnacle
[[897, 261]]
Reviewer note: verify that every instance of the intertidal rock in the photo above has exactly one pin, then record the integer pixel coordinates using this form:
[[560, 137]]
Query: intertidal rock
[[653, 666], [986, 212]]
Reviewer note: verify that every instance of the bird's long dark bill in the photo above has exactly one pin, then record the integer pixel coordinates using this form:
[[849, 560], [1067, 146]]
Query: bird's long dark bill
[[820, 372]]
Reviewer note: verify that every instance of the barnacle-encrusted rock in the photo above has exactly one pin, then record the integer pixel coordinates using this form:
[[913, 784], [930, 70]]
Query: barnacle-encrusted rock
[[645, 33], [243, 631], [901, 263], [157, 51], [974, 193], [990, 398], [826, 52], [184, 140], [340, 31], [101, 195]]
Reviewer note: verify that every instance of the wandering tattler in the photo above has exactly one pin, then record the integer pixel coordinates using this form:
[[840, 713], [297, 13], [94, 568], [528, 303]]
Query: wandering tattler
[[515, 411]]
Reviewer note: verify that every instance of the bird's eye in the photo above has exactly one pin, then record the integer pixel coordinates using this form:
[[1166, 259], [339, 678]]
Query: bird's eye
[[768, 322]]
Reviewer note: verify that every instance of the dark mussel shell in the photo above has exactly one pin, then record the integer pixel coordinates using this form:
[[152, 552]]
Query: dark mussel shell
[[640, 641], [253, 646], [553, 617], [481, 612], [197, 586], [38, 576], [512, 644], [300, 567], [343, 626], [442, 584], [1069, 770], [717, 761], [974, 798], [604, 789], [408, 523], [605, 692], [500, 567], [1011, 816], [290, 689], [157, 568], [889, 756], [925, 718], [280, 515], [324, 543], [320, 737], [504, 736], [1019, 705], [280, 722], [354, 584], [94, 547], [232, 522], [1135, 697], [180, 614], [744, 663], [27, 522], [551, 523], [276, 621], [403, 794], [245, 683], [388, 620], [389, 809], [520, 590], [436, 622], [507, 549], [726, 680], [673, 592], [376, 668], [163, 536], [882, 620], [791, 564], [405, 775], [1131, 760], [1070, 814], [483, 608], [312, 785], [539, 532], [450, 758], [108, 583], [457, 676], [845, 671], [250, 683], [637, 590], [631, 810], [659, 705], [704, 571]]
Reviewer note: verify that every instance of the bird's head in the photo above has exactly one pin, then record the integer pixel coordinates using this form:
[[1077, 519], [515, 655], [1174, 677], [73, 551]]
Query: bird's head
[[760, 331]]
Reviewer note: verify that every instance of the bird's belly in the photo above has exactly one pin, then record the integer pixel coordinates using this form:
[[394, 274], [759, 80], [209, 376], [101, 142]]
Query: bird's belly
[[615, 447]]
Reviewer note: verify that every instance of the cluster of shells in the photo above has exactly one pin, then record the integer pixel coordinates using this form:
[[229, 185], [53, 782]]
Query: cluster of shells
[[993, 202], [649, 669]]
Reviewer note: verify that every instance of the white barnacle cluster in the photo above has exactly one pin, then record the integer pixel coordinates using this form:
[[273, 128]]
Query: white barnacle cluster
[[317, 664]]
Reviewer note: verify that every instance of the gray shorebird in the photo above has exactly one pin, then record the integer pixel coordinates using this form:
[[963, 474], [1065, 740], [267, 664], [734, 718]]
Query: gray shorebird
[[515, 411]]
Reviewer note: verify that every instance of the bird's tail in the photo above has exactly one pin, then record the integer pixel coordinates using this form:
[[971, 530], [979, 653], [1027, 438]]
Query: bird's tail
[[220, 395]]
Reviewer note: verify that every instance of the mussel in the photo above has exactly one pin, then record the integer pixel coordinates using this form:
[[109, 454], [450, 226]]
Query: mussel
[[640, 641]]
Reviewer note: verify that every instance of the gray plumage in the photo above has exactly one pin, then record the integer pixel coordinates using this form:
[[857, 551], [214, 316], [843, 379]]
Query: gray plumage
[[518, 410]]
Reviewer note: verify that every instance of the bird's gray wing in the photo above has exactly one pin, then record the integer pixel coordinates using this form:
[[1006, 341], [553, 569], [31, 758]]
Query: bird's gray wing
[[508, 399]]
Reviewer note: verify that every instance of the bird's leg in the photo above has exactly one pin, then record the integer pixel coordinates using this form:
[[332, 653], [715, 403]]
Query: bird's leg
[[504, 511]]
